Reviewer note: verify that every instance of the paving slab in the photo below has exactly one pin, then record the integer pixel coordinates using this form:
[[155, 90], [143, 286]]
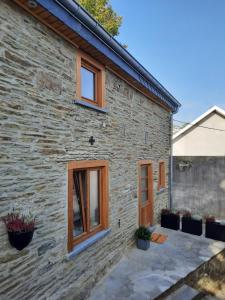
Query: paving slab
[[144, 275]]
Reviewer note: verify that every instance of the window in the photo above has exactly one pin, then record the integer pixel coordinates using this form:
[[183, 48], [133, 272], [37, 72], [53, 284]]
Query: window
[[90, 80], [162, 176], [87, 200], [144, 184]]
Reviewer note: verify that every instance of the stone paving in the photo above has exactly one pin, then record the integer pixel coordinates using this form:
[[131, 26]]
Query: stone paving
[[144, 275]]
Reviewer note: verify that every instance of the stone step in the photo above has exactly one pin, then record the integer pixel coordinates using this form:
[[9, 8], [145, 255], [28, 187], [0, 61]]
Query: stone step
[[209, 297], [185, 292]]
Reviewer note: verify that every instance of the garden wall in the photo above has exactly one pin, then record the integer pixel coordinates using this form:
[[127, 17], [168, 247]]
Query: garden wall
[[199, 184]]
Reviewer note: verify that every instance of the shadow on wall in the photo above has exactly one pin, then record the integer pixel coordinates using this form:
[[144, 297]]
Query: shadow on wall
[[199, 184]]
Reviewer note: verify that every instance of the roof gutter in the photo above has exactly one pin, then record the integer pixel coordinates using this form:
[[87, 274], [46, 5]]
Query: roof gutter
[[79, 20]]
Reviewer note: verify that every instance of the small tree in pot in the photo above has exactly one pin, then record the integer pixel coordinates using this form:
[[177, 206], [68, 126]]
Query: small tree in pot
[[143, 236], [170, 219], [20, 229]]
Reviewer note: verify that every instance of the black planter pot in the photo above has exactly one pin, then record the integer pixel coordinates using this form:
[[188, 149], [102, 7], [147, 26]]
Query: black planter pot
[[143, 244], [215, 231], [192, 226], [20, 240], [171, 221]]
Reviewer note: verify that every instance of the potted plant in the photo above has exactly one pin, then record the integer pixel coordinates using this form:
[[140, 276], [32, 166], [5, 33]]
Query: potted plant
[[143, 236], [214, 230], [20, 229], [191, 224], [170, 219]]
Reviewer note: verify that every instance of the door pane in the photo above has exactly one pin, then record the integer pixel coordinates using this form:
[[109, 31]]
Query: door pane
[[144, 171], [79, 203], [94, 198], [144, 184], [87, 84], [144, 198]]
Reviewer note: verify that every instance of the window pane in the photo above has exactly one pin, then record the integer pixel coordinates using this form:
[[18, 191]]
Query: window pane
[[94, 198], [160, 174], [87, 84], [144, 171], [144, 184], [79, 203], [144, 197]]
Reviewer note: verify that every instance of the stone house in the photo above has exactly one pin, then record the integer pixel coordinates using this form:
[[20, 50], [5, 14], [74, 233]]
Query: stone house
[[199, 163], [85, 146]]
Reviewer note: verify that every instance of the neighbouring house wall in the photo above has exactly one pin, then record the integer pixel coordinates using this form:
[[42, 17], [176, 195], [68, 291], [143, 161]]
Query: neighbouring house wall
[[200, 186], [199, 141], [41, 131]]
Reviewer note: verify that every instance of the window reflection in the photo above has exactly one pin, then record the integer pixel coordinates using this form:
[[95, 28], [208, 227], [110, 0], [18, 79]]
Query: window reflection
[[94, 198], [79, 203], [87, 84]]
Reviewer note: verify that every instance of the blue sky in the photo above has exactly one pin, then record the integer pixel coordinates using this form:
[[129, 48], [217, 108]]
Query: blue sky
[[182, 44]]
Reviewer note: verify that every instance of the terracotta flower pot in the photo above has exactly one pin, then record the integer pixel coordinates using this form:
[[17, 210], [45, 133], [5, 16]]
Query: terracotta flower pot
[[20, 240]]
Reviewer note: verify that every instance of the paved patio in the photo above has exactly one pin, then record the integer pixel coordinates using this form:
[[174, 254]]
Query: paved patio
[[144, 275]]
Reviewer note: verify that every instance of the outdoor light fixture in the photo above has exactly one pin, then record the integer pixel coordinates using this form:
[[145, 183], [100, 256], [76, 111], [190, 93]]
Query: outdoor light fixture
[[32, 3], [183, 165]]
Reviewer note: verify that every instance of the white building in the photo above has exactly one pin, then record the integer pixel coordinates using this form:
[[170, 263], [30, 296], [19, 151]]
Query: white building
[[199, 139]]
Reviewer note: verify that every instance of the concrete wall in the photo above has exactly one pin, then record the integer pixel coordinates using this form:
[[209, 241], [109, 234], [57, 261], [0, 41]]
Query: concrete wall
[[42, 130], [200, 186], [199, 141]]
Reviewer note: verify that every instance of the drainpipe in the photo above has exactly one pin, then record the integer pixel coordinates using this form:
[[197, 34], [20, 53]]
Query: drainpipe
[[171, 163]]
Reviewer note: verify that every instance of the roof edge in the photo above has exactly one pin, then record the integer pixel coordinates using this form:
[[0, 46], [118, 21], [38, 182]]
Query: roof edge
[[200, 118], [92, 24], [80, 21]]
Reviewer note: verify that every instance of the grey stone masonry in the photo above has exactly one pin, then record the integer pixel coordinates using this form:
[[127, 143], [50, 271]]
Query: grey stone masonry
[[41, 131]]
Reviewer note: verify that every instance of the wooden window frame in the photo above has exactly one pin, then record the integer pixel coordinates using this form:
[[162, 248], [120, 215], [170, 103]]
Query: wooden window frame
[[89, 63], [101, 165], [162, 175]]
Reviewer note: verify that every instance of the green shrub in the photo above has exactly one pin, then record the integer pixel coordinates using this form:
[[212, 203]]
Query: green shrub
[[143, 233]]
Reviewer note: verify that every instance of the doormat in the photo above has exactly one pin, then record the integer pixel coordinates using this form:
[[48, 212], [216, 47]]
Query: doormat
[[158, 238]]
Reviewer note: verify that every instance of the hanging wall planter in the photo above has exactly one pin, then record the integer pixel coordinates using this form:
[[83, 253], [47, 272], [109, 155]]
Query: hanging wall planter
[[170, 219], [20, 240], [20, 229]]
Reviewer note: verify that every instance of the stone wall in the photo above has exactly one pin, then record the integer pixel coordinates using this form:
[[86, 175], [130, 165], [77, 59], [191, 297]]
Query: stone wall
[[42, 130]]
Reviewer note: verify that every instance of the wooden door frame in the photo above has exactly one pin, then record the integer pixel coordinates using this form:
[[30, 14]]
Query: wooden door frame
[[150, 188]]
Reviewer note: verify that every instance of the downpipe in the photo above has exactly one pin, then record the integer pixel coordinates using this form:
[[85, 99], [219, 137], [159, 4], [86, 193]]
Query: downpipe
[[171, 164]]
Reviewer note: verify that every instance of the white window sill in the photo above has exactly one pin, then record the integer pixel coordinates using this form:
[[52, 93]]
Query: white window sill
[[87, 243]]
